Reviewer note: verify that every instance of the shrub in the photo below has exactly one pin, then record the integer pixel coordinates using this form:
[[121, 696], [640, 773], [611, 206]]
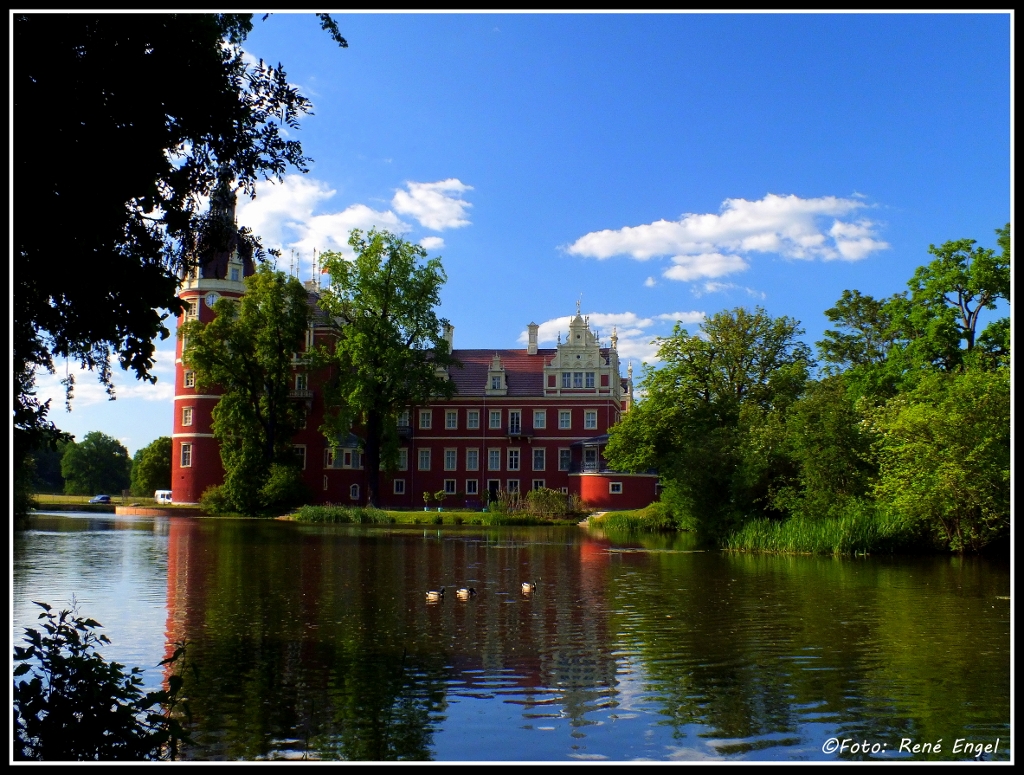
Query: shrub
[[214, 500], [77, 706]]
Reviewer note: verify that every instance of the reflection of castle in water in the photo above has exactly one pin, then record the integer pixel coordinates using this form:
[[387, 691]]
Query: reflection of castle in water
[[300, 631]]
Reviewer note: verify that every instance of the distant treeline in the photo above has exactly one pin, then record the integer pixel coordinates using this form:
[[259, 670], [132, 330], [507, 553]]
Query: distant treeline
[[897, 437]]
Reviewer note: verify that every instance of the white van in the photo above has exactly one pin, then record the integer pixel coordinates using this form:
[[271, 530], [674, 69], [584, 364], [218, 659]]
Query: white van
[[163, 496]]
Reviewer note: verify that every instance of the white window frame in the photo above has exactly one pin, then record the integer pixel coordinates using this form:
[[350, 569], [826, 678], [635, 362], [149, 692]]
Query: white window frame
[[542, 452], [426, 419], [542, 415], [346, 459], [495, 382], [451, 459], [513, 458], [185, 459], [493, 454], [565, 419], [567, 457], [301, 381], [537, 484], [450, 487], [328, 457], [423, 456], [473, 419], [186, 415], [403, 459], [517, 426], [325, 481], [353, 492], [577, 380], [472, 459], [451, 420], [403, 419], [566, 379], [190, 379], [494, 419], [398, 487], [615, 488], [590, 420], [235, 274], [564, 490], [588, 380], [472, 487], [511, 485], [300, 448]]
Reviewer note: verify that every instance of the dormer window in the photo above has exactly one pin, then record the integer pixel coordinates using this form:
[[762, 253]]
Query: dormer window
[[495, 383], [235, 274]]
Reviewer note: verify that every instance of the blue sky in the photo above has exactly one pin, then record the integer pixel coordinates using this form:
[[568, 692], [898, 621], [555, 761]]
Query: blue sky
[[658, 166]]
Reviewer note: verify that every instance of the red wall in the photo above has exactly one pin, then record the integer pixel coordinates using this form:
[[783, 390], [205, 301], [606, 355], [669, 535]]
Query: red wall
[[638, 490]]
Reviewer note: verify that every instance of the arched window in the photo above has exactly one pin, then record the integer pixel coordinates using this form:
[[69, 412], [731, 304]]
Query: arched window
[[353, 492]]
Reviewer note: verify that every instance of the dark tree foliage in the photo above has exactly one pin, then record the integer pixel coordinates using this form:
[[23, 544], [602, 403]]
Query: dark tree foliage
[[164, 104], [97, 464], [151, 468]]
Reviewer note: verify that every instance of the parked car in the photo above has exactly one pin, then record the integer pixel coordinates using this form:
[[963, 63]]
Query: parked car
[[162, 496], [100, 499]]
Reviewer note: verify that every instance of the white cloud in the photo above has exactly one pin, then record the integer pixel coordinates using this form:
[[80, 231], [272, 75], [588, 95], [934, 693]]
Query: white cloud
[[331, 231], [716, 287], [281, 209], [89, 391], [650, 282], [430, 204], [708, 245], [432, 243], [682, 317]]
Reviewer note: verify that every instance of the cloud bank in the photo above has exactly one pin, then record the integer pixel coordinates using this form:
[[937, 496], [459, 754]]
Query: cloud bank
[[713, 245]]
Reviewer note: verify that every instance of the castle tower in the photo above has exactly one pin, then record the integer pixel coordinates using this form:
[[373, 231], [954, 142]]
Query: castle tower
[[223, 261]]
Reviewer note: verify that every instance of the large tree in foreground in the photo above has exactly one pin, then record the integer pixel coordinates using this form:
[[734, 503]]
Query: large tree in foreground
[[390, 350], [122, 123], [247, 352]]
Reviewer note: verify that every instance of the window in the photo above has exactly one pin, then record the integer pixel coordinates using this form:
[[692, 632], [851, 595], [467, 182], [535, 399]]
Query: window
[[325, 481], [353, 492], [564, 490], [425, 419], [565, 419], [473, 419], [300, 455], [577, 379], [451, 420], [540, 418], [495, 383], [472, 460], [564, 459], [590, 379], [347, 459], [494, 460], [192, 310], [450, 459], [186, 415], [512, 485], [300, 382], [190, 379], [615, 488], [403, 460], [515, 422], [234, 279], [590, 420], [403, 419], [472, 487], [513, 460], [566, 379], [328, 458], [398, 487], [538, 460], [302, 417], [538, 484], [424, 460], [495, 419], [449, 487], [186, 455]]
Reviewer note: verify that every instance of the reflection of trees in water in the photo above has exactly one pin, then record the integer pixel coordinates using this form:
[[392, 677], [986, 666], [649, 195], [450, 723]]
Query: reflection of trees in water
[[749, 645]]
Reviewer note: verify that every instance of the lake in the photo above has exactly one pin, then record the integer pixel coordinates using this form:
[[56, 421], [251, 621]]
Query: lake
[[317, 642]]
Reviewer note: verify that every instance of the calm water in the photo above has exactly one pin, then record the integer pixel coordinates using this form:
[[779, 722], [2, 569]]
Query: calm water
[[317, 641]]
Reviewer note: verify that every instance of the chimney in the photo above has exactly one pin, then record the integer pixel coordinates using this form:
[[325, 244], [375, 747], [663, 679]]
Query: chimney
[[531, 347], [449, 335]]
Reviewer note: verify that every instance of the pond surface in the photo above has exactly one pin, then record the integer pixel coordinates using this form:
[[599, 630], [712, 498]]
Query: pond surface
[[314, 641]]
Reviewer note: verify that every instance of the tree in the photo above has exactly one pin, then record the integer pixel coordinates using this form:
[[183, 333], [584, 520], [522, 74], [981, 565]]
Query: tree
[[162, 104], [96, 464], [151, 468], [944, 452], [706, 421], [390, 351], [247, 352]]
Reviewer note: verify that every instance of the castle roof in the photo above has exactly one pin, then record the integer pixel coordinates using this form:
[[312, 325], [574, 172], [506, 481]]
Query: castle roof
[[524, 374]]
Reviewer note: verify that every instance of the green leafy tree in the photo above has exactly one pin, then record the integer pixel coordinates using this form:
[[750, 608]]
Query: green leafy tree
[[151, 468], [706, 419], [247, 352], [944, 453], [84, 86], [74, 705], [96, 464], [390, 351]]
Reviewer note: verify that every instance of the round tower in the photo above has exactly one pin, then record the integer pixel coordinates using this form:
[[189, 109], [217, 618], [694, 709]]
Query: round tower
[[224, 261]]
